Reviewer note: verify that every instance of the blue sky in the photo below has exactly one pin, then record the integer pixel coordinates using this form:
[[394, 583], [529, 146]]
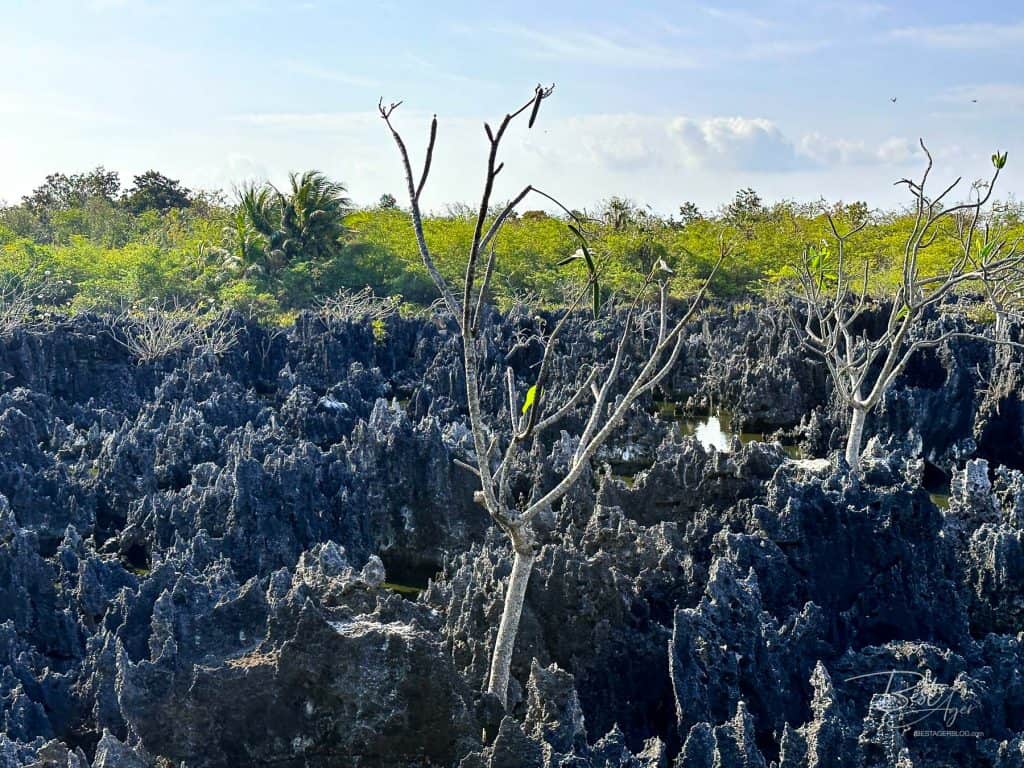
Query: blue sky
[[662, 101]]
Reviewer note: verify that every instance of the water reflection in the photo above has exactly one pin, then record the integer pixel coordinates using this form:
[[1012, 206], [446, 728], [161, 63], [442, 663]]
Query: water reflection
[[715, 430], [711, 435]]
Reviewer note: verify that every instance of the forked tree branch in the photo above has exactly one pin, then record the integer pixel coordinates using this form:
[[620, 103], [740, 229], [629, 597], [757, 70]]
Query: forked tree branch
[[862, 367], [515, 517]]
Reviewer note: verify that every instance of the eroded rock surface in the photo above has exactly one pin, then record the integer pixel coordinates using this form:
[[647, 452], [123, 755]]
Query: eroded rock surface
[[200, 561]]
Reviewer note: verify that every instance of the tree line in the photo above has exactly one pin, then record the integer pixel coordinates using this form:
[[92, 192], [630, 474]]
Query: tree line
[[271, 252]]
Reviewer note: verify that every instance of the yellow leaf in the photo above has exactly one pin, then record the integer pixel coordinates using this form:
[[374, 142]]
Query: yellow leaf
[[531, 396]]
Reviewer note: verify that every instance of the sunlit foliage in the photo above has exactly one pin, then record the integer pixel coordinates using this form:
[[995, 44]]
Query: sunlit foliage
[[271, 253]]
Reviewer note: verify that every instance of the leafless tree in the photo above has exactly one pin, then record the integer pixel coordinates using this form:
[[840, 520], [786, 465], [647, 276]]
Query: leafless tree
[[355, 306], [17, 298], [835, 298], [498, 448], [982, 243], [153, 333]]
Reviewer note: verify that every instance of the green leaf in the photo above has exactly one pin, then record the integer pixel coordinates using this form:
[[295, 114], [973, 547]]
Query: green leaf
[[590, 261], [531, 397], [584, 253], [999, 160]]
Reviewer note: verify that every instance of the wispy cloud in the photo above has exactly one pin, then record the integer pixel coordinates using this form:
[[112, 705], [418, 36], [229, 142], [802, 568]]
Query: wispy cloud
[[627, 53], [777, 49], [976, 36], [309, 120], [850, 9], [48, 105], [590, 47], [736, 16], [317, 72], [109, 5], [425, 66]]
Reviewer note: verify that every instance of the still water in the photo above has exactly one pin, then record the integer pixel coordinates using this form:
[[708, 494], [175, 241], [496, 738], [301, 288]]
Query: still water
[[716, 431]]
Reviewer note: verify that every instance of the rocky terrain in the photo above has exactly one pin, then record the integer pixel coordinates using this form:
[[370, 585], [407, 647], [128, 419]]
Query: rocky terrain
[[268, 558]]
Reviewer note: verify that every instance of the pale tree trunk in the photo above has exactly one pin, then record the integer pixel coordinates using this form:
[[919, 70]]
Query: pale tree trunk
[[1002, 334], [855, 437], [1002, 325], [515, 596]]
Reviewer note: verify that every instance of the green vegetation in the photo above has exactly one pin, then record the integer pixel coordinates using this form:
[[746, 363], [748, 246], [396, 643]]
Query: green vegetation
[[270, 252]]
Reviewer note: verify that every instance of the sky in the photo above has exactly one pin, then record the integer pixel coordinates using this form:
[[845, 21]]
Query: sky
[[660, 102]]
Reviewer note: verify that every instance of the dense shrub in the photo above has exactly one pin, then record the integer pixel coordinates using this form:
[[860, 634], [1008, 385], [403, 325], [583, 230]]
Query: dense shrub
[[104, 251]]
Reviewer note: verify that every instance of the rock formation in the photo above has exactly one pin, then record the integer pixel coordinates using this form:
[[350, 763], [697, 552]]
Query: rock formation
[[270, 558]]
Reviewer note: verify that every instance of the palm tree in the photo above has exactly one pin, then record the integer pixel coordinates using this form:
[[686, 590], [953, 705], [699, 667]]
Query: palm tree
[[244, 248], [306, 224], [312, 216]]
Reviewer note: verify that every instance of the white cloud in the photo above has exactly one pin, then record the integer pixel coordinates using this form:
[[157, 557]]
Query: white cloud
[[897, 151], [826, 151], [615, 142], [975, 36], [618, 143], [235, 171], [753, 144], [582, 159]]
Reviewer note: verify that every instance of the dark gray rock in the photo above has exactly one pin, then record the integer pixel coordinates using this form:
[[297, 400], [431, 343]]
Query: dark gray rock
[[194, 553]]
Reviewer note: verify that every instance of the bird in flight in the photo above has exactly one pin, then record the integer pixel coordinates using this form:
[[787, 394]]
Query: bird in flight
[[974, 101], [893, 99]]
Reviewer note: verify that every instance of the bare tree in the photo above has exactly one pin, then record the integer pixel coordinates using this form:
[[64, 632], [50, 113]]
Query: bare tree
[[863, 366], [983, 243], [355, 306], [17, 298], [155, 332], [498, 448]]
